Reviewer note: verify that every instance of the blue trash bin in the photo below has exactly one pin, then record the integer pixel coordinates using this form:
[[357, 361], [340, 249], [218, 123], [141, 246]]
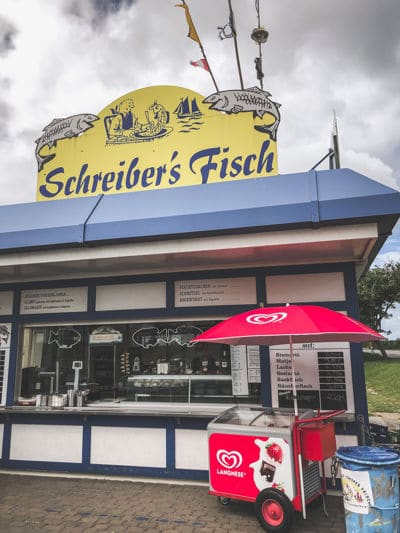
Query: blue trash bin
[[370, 484]]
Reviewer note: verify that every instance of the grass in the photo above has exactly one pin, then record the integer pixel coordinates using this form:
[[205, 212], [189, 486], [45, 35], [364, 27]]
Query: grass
[[383, 384]]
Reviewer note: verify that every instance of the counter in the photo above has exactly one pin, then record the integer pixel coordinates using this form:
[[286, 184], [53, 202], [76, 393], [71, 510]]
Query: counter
[[126, 408], [180, 387]]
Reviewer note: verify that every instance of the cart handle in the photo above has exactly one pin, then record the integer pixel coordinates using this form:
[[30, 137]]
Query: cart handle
[[300, 498], [320, 418]]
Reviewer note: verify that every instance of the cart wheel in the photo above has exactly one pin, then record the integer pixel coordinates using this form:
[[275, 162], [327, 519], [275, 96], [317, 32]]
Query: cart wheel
[[224, 501], [274, 510]]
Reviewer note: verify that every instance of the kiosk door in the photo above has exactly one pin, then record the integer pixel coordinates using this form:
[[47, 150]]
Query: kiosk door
[[103, 368]]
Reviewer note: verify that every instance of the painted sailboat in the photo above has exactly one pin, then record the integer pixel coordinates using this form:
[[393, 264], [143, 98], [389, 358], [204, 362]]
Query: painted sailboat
[[187, 109]]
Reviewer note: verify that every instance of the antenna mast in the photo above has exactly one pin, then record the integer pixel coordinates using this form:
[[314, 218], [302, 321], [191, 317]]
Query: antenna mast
[[334, 158], [260, 36]]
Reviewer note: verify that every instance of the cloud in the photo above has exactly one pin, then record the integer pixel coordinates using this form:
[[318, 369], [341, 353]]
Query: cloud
[[387, 257], [79, 56], [7, 34], [95, 11], [392, 324], [370, 166]]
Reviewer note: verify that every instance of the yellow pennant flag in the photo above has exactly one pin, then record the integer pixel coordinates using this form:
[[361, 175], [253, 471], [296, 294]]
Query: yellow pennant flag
[[192, 30]]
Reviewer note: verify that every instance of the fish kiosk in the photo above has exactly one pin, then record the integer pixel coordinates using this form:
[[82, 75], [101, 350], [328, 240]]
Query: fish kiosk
[[151, 225], [155, 218]]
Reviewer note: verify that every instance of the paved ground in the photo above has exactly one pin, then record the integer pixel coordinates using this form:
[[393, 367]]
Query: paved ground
[[33, 504]]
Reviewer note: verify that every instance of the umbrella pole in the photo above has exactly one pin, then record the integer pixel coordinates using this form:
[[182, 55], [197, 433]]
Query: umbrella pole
[[297, 434], [296, 411], [297, 437]]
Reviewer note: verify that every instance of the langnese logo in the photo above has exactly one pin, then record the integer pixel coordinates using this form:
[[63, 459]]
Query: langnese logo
[[260, 319], [229, 459], [230, 462]]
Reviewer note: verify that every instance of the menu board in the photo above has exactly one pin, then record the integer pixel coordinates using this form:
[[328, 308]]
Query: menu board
[[253, 364], [332, 378], [5, 335], [5, 340], [223, 291], [6, 302], [63, 300], [322, 376], [245, 368], [131, 296], [4, 357], [306, 399], [240, 385]]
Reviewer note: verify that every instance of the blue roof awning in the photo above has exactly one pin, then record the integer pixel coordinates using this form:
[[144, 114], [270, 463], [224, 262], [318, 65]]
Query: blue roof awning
[[315, 197], [40, 224]]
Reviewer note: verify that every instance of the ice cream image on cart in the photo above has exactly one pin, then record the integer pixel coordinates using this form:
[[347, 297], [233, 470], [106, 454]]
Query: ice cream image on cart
[[271, 469]]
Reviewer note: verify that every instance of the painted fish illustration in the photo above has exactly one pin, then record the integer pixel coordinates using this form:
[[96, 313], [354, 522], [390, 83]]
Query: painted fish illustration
[[150, 337], [183, 335], [65, 338], [253, 100], [61, 128], [4, 334]]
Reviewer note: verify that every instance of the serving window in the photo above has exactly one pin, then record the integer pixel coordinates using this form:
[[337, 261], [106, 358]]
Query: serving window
[[137, 362]]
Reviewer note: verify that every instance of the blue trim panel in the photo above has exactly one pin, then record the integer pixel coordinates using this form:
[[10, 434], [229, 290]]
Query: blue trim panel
[[170, 445], [12, 363], [5, 455], [356, 356], [197, 475], [86, 442]]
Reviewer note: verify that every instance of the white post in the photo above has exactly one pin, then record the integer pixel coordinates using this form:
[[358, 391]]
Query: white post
[[296, 412]]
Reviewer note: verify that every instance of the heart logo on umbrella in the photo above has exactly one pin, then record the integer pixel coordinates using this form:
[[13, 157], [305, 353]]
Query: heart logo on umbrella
[[266, 319]]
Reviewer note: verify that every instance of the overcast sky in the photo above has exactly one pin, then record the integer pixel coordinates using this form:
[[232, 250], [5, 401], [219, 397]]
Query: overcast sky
[[64, 57]]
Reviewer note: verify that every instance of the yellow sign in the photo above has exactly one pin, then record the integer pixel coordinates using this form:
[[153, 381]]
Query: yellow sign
[[159, 137]]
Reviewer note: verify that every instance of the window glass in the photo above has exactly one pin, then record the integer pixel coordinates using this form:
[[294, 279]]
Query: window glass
[[151, 362]]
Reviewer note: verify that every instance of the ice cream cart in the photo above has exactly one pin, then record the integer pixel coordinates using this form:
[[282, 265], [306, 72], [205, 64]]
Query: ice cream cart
[[272, 458]]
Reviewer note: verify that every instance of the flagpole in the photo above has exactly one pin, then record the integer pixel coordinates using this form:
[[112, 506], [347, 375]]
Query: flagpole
[[233, 28], [209, 68], [195, 36]]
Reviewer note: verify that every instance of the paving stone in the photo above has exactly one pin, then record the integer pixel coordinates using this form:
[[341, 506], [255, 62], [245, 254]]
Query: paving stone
[[33, 503]]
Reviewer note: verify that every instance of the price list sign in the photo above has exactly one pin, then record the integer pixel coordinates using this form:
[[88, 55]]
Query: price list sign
[[322, 376], [240, 385], [332, 379]]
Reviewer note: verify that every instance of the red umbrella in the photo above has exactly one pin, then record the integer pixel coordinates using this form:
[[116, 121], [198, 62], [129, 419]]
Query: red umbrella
[[286, 325]]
